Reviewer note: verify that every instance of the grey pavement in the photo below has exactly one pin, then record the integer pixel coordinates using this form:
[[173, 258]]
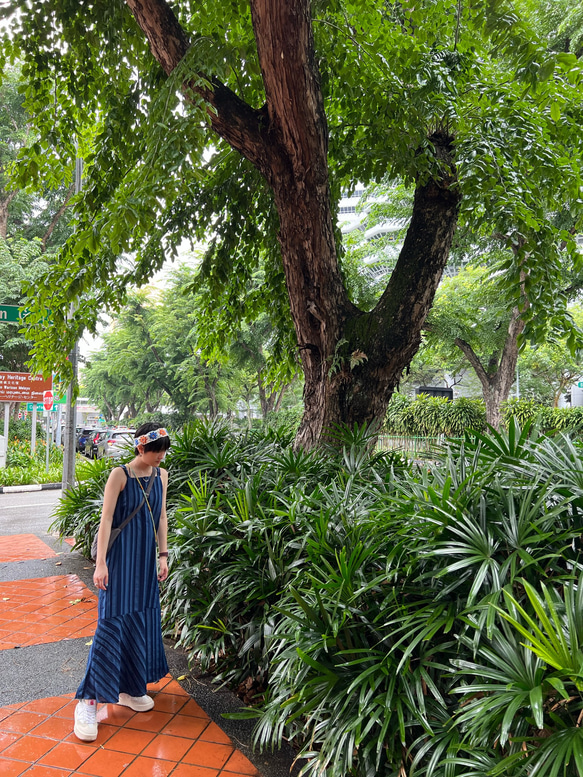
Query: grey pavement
[[53, 669]]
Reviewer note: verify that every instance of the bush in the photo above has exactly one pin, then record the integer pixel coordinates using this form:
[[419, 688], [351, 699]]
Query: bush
[[427, 416]]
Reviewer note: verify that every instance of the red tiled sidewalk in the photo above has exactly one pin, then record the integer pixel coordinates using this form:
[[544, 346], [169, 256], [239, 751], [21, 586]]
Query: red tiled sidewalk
[[45, 609], [23, 547], [175, 739]]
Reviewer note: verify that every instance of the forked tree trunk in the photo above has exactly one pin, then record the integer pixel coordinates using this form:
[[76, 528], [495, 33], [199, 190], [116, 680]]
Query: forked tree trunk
[[496, 385], [352, 361]]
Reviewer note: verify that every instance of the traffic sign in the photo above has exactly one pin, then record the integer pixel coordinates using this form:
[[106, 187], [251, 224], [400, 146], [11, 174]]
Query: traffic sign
[[30, 406], [580, 384], [48, 400], [9, 313]]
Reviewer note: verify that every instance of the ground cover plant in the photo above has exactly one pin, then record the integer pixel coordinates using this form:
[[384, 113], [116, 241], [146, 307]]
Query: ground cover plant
[[24, 469], [399, 618]]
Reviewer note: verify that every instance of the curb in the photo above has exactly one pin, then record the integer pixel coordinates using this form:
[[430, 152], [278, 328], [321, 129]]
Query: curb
[[32, 487]]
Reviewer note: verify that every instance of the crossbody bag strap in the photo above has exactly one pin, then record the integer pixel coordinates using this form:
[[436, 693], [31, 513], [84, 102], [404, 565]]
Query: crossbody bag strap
[[155, 473], [144, 497]]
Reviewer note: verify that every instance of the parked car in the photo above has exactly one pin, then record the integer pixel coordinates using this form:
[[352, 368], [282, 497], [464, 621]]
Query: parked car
[[115, 442], [91, 442]]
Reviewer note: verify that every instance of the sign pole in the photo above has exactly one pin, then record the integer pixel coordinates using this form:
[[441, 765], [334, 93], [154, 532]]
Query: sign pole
[[4, 440], [71, 411], [48, 440], [33, 432]]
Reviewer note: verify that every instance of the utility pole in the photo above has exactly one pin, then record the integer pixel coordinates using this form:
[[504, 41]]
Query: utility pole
[[70, 425]]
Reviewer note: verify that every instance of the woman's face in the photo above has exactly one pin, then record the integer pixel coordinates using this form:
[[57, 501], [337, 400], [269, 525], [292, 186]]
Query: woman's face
[[152, 458]]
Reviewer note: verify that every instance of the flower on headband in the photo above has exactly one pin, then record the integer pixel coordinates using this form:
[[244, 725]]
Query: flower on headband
[[144, 439]]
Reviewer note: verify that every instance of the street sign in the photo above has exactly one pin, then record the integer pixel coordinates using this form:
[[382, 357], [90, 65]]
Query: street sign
[[30, 406], [23, 387], [48, 399], [9, 313], [580, 384]]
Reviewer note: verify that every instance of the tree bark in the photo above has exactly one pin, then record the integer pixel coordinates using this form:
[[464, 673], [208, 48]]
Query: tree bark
[[352, 361], [5, 200]]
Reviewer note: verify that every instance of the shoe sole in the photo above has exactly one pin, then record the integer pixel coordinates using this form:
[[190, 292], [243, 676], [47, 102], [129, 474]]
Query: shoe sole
[[84, 737], [134, 708]]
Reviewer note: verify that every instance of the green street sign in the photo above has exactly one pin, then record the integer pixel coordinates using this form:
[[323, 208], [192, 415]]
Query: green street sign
[[580, 384], [9, 313], [30, 406]]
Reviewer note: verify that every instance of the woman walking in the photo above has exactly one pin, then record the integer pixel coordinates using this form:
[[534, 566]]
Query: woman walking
[[127, 650]]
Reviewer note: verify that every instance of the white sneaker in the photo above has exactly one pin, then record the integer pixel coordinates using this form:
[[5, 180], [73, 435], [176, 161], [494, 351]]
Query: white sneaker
[[86, 720], [137, 703]]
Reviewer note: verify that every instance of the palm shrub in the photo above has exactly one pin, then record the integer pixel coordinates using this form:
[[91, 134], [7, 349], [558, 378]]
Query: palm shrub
[[370, 650], [246, 527], [79, 510]]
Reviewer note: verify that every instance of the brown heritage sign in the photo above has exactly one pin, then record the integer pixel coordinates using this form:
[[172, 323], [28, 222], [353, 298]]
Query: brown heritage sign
[[23, 387]]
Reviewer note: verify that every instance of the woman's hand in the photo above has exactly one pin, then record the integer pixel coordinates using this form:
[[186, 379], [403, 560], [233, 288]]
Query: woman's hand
[[163, 573], [101, 576]]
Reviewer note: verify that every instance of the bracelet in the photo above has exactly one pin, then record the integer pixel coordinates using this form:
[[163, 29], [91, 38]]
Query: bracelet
[[163, 553]]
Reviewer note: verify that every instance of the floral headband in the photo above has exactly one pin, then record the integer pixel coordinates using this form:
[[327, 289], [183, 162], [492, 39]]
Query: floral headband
[[144, 439]]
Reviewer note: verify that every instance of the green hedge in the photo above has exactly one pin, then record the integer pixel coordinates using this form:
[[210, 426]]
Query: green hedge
[[427, 416]]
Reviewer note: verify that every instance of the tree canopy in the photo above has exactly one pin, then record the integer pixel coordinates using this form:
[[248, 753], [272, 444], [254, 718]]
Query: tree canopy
[[244, 121]]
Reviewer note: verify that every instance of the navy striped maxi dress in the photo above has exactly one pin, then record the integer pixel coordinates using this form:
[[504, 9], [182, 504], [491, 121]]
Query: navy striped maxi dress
[[127, 650]]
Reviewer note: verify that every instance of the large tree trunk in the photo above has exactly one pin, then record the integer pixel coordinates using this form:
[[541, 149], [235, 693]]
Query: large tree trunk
[[287, 141]]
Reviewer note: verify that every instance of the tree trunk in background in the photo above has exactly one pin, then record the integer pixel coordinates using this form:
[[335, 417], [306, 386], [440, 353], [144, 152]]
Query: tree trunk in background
[[5, 200], [496, 385]]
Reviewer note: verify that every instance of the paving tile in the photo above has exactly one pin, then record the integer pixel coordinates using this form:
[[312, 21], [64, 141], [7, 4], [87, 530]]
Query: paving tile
[[48, 705], [57, 729], [208, 754], [67, 755], [167, 748], [106, 763], [149, 766], [29, 748], [23, 547], [10, 768], [167, 702], [240, 764], [212, 733], [185, 726], [7, 738], [192, 708], [149, 721], [21, 722], [188, 770], [47, 771], [64, 608], [128, 740]]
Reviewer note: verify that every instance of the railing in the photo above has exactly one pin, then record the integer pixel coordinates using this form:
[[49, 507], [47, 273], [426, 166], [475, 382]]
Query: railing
[[412, 446]]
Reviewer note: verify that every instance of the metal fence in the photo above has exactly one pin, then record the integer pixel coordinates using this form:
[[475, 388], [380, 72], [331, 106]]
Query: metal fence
[[412, 446]]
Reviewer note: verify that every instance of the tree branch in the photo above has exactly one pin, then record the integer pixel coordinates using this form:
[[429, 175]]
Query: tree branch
[[56, 217], [243, 127], [473, 359]]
